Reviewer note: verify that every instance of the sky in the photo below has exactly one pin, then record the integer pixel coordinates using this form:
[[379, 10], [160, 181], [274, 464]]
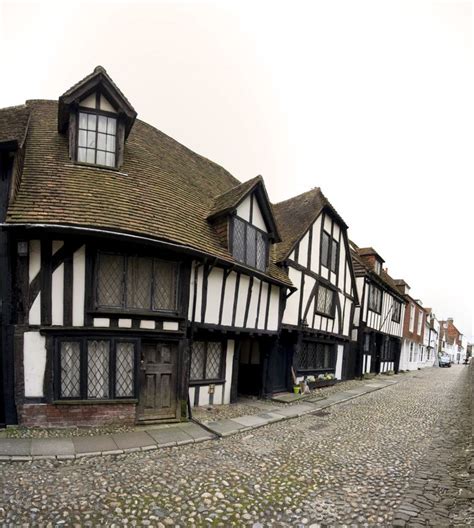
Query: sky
[[371, 100]]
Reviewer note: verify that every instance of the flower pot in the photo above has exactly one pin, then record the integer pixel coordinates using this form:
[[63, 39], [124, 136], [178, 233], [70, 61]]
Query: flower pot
[[296, 389]]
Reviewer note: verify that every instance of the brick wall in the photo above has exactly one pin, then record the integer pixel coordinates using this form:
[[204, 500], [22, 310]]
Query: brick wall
[[419, 312], [50, 415]]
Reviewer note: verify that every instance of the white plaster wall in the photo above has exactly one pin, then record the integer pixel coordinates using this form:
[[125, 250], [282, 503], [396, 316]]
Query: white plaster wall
[[34, 363], [263, 306], [105, 105], [34, 316], [290, 315], [242, 300], [303, 251], [340, 353], [214, 288], [274, 308], [200, 278], [252, 318], [229, 299], [89, 101], [315, 244], [57, 296], [78, 287], [228, 369], [34, 259], [243, 210], [57, 244], [257, 219], [327, 223]]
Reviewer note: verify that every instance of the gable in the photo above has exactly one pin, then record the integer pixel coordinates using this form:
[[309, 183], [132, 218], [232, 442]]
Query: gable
[[249, 210]]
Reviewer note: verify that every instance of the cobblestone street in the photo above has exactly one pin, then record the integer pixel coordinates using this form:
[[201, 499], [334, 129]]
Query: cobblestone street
[[365, 462]]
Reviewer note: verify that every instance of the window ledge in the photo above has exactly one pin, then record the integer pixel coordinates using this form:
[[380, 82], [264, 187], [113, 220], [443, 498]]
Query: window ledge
[[89, 166], [94, 402]]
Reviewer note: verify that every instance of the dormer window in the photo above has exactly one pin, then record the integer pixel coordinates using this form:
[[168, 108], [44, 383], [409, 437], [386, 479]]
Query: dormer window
[[96, 142], [249, 244]]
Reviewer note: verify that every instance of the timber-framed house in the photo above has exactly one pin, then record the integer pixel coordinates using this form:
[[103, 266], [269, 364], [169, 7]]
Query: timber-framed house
[[136, 275], [317, 318], [378, 321]]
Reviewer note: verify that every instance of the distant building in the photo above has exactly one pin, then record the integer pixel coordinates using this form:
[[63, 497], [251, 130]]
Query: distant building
[[451, 341]]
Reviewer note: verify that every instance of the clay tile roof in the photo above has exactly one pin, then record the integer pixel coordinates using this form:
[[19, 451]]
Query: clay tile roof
[[228, 200], [163, 190], [295, 216], [14, 124], [363, 252]]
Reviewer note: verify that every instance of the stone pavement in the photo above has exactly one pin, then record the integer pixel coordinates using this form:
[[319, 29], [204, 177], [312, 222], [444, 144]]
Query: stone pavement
[[354, 464], [154, 437]]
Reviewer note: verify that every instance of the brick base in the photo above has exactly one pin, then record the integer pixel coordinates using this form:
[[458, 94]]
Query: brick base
[[50, 415]]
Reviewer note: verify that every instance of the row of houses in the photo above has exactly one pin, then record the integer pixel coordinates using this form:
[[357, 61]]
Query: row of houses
[[139, 279]]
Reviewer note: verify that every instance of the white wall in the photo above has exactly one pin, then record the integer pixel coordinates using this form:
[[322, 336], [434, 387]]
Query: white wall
[[34, 363]]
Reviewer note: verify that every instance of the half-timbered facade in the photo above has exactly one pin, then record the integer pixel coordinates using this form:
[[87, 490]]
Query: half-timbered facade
[[317, 318], [378, 321], [137, 276]]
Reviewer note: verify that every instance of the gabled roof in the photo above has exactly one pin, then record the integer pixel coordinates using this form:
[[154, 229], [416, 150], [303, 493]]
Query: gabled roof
[[230, 200], [296, 215], [13, 126], [361, 269], [99, 78], [163, 191], [367, 251]]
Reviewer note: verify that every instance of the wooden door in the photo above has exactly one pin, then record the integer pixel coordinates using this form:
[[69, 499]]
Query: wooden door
[[250, 368], [279, 369], [158, 383]]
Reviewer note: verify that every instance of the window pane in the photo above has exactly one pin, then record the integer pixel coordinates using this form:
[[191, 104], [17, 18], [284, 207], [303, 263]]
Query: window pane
[[102, 124], [139, 283], [91, 121], [70, 361], [82, 120], [82, 138], [321, 304], [213, 363], [251, 247], [91, 139], [111, 125], [81, 154], [335, 249], [110, 160], [98, 369], [90, 156], [110, 280], [111, 143], [165, 285], [261, 251], [124, 369], [238, 240], [101, 141], [197, 360], [100, 157], [329, 299], [325, 250]]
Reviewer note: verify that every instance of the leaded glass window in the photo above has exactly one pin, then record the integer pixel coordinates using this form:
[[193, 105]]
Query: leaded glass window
[[96, 369], [136, 283], [329, 252], [325, 301], [96, 141], [70, 380], [375, 298], [312, 356], [249, 244], [396, 311], [206, 360]]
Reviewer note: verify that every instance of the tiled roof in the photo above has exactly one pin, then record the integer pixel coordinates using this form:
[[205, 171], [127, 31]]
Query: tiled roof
[[231, 198], [295, 216], [163, 190], [14, 124], [363, 252]]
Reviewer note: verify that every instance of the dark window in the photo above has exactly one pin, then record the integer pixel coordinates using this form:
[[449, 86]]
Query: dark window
[[325, 301], [329, 252], [207, 361], [375, 299], [396, 311], [136, 283], [95, 369], [312, 356], [249, 244], [96, 139]]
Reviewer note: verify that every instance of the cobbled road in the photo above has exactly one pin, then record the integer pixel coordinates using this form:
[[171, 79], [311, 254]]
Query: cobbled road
[[362, 463]]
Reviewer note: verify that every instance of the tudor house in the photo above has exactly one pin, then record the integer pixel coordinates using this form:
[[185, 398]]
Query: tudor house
[[378, 320], [317, 318], [413, 352], [137, 277]]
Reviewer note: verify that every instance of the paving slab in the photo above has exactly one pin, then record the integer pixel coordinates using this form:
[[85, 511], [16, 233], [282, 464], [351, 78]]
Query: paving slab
[[295, 410], [340, 396], [271, 416], [94, 444], [15, 446], [288, 397], [171, 436], [133, 440], [52, 446], [225, 427], [251, 420], [197, 433]]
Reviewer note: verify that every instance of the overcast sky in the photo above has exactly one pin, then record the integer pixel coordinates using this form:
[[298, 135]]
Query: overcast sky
[[370, 100]]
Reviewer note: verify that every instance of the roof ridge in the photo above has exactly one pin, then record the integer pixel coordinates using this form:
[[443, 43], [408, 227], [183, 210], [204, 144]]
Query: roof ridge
[[300, 195]]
